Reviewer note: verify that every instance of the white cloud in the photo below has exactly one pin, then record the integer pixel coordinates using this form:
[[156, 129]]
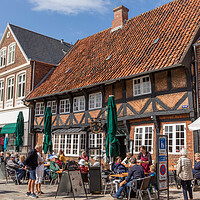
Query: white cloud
[[70, 6]]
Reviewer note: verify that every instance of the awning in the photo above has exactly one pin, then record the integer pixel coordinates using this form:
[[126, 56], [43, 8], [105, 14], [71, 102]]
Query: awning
[[69, 130], [194, 126], [8, 128]]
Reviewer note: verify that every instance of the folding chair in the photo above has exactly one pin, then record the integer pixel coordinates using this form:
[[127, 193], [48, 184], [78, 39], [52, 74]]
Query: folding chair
[[55, 180], [135, 187], [144, 187], [196, 181], [11, 174], [108, 184]]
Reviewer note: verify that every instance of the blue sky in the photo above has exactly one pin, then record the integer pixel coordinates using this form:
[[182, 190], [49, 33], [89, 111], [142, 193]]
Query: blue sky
[[68, 19]]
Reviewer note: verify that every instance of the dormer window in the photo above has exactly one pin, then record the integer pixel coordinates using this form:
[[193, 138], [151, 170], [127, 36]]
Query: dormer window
[[11, 53], [3, 57], [141, 86]]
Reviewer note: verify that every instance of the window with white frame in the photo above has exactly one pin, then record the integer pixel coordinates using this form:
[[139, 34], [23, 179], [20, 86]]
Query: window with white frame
[[53, 106], [176, 136], [79, 104], [11, 53], [95, 101], [39, 108], [3, 57], [95, 141], [143, 136], [70, 143], [1, 90], [83, 142], [10, 88], [64, 106], [21, 84], [141, 86]]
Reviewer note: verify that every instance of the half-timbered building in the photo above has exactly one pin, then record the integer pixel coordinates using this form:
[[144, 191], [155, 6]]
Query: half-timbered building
[[26, 57], [147, 63]]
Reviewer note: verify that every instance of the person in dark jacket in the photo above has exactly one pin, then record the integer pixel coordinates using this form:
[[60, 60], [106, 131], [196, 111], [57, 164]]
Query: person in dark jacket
[[118, 167], [196, 169], [134, 173], [31, 163]]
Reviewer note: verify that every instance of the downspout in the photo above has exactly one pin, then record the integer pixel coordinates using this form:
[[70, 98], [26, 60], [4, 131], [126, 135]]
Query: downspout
[[196, 80], [196, 133]]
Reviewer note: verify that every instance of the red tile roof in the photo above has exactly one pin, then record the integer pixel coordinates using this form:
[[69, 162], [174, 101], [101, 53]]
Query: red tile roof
[[153, 40]]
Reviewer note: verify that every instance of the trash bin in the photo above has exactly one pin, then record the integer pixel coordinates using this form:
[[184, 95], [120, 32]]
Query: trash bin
[[95, 179]]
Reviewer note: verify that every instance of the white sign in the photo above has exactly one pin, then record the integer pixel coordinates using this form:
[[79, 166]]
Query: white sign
[[162, 172], [162, 185]]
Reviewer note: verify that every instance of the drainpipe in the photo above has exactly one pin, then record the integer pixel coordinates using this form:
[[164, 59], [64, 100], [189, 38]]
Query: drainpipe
[[196, 133], [196, 80]]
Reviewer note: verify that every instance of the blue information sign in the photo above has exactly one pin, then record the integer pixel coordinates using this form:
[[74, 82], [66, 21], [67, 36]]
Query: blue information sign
[[162, 158], [162, 145]]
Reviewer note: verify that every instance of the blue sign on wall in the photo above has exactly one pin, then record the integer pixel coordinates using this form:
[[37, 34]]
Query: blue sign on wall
[[162, 158], [162, 145]]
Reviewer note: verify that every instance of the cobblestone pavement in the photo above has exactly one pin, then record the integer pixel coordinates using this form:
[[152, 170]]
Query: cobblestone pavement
[[11, 191]]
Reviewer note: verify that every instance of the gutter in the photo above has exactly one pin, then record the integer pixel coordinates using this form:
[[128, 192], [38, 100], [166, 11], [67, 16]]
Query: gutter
[[104, 82]]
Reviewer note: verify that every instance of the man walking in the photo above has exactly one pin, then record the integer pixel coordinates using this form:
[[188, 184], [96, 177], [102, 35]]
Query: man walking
[[32, 163]]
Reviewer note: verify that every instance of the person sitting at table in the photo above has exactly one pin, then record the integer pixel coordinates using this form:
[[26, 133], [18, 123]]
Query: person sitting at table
[[83, 156], [1, 157], [21, 172], [16, 157], [196, 169], [118, 167], [59, 162], [96, 162], [106, 172], [7, 157], [21, 160], [145, 159], [62, 157], [127, 159], [134, 173], [54, 167]]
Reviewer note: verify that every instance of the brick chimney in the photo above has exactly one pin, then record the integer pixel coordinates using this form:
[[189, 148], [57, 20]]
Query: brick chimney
[[120, 15]]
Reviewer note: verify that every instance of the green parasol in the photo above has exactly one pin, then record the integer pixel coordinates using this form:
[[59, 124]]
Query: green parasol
[[19, 131], [112, 143], [47, 143]]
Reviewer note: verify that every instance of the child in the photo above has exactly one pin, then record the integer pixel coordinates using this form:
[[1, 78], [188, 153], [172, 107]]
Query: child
[[153, 174]]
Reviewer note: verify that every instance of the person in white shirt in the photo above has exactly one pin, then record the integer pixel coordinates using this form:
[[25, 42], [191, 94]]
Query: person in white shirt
[[39, 171], [127, 159]]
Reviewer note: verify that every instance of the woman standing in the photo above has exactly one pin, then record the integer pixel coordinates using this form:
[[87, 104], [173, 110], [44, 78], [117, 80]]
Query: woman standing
[[184, 171], [39, 172], [145, 159]]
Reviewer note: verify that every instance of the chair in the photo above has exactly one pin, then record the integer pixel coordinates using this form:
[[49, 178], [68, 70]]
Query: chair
[[11, 174], [196, 181], [107, 184], [143, 187], [55, 180]]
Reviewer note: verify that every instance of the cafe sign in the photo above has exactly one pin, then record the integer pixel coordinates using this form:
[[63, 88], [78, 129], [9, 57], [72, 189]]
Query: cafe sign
[[95, 127]]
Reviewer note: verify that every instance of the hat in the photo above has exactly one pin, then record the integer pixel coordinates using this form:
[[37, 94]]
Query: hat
[[12, 155], [54, 157], [95, 158], [184, 151], [81, 162]]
